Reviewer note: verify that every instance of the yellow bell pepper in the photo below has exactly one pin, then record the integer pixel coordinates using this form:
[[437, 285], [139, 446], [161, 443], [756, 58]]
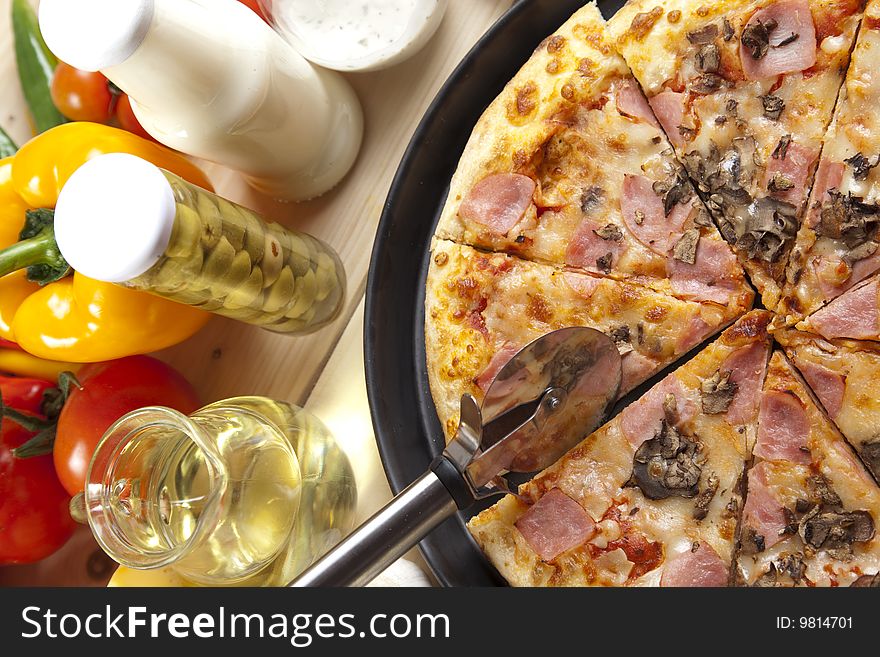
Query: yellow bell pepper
[[76, 318]]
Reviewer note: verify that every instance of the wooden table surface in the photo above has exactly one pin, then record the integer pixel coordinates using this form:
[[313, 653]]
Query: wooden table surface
[[323, 371]]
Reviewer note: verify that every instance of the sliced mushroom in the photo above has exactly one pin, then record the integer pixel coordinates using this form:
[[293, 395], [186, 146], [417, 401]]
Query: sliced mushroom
[[610, 232], [685, 249], [773, 106], [717, 392], [756, 37], [861, 165], [703, 35], [709, 58], [667, 465], [701, 504], [870, 453], [868, 581]]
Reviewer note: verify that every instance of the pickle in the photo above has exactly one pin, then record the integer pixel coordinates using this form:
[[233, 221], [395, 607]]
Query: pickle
[[326, 280], [235, 277], [299, 258], [273, 259], [218, 261], [185, 234], [246, 293], [233, 223], [281, 293], [212, 225], [226, 259], [306, 288], [254, 238]]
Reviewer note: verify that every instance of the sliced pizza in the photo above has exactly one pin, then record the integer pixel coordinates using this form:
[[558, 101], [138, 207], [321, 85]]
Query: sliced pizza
[[811, 507], [837, 246], [568, 166], [744, 89], [652, 497], [844, 375], [481, 308], [855, 314]]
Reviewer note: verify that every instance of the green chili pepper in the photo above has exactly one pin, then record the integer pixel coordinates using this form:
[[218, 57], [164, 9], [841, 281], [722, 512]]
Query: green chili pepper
[[7, 146], [36, 66]]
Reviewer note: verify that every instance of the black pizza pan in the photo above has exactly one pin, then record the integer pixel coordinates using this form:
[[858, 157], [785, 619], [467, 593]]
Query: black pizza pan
[[404, 419]]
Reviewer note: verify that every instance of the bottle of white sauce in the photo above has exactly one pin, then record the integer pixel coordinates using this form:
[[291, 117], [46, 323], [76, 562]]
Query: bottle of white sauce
[[211, 79], [363, 35]]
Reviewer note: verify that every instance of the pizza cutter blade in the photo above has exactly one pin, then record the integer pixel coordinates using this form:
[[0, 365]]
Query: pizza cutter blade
[[549, 396]]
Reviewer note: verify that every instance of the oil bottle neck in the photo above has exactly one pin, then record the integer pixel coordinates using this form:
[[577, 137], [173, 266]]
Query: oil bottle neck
[[129, 498]]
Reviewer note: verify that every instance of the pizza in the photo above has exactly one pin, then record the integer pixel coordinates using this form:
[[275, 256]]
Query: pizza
[[837, 244], [652, 497], [843, 374], [569, 167], [811, 507], [481, 308], [639, 177], [744, 90], [854, 314]]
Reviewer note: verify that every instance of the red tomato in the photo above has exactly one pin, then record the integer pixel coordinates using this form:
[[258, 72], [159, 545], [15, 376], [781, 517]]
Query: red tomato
[[127, 119], [109, 391], [34, 516], [23, 394], [81, 95]]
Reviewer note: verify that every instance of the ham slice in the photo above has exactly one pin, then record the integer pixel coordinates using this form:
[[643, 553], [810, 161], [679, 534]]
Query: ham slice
[[643, 214], [586, 247], [499, 360], [828, 385], [762, 512], [635, 368], [695, 567], [746, 366], [794, 169], [640, 420], [583, 284], [851, 315], [498, 201], [709, 278], [792, 17], [668, 107], [632, 103], [783, 428], [696, 331], [829, 175], [555, 524], [829, 271]]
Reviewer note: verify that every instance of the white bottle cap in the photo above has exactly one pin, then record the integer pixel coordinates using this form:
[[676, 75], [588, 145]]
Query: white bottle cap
[[94, 34], [114, 217]]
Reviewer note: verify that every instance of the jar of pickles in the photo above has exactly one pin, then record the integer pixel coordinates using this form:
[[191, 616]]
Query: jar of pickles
[[122, 220], [246, 491]]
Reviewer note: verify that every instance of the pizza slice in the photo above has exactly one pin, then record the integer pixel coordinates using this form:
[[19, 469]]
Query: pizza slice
[[482, 308], [843, 374], [855, 314], [811, 507], [744, 89], [652, 497], [568, 166], [837, 245]]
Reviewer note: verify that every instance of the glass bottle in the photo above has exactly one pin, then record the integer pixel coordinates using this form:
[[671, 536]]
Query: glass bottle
[[246, 491], [120, 219], [210, 78]]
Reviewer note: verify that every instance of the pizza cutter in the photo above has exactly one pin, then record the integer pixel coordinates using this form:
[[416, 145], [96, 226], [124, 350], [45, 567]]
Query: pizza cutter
[[551, 394]]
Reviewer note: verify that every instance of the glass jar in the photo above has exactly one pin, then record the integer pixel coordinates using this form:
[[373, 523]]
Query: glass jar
[[183, 243], [246, 491]]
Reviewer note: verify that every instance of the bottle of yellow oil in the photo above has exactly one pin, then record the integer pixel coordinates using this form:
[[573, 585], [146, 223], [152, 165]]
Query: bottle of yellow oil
[[246, 491]]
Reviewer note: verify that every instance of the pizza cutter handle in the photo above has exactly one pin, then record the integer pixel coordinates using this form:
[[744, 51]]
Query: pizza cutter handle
[[391, 532]]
